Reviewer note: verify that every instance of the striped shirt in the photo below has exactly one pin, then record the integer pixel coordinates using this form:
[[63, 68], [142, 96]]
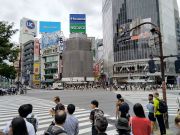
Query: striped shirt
[[71, 125]]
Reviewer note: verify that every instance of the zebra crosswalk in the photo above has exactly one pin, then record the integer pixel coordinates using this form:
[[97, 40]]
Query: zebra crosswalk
[[9, 109], [142, 97]]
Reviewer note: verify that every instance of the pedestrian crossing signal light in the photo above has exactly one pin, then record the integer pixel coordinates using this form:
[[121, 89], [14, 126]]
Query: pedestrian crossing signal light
[[177, 66], [152, 66]]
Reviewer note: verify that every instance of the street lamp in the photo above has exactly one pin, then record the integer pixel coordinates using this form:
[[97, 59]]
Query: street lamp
[[156, 30]]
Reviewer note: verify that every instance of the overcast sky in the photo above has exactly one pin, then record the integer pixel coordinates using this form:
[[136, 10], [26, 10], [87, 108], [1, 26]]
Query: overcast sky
[[54, 10]]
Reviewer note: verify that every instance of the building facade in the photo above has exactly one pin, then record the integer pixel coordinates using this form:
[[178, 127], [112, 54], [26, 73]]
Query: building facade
[[131, 52], [27, 62], [77, 59]]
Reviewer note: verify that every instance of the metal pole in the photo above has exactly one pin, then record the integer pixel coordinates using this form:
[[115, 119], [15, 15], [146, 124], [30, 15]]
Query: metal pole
[[163, 78]]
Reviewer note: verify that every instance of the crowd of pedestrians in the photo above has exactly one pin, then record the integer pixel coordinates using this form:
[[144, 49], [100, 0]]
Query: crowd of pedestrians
[[65, 123]]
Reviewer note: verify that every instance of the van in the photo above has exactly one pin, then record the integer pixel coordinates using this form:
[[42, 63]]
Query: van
[[58, 86]]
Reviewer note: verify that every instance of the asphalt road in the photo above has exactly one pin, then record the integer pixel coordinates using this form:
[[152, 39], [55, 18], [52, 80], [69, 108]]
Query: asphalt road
[[82, 99]]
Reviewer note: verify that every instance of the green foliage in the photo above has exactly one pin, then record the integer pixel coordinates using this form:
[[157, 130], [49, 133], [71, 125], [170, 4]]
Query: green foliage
[[6, 32], [6, 50], [7, 71]]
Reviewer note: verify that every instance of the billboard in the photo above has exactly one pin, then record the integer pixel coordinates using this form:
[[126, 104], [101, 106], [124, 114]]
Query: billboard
[[50, 39], [36, 49], [36, 68], [49, 27], [28, 27], [77, 23]]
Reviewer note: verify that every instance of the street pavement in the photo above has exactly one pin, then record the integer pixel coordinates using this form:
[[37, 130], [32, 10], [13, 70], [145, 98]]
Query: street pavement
[[9, 109], [42, 102]]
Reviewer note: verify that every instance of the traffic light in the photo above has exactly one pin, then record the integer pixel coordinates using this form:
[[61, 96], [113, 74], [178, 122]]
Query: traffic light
[[152, 66], [177, 66]]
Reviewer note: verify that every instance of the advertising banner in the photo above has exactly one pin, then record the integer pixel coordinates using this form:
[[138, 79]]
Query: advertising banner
[[36, 68], [36, 49], [77, 23], [77, 28], [50, 39], [28, 27], [49, 27]]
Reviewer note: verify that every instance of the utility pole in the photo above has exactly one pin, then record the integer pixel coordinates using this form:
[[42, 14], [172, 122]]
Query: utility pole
[[162, 57]]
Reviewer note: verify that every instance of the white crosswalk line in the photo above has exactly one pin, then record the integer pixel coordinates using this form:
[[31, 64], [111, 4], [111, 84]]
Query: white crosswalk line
[[41, 109]]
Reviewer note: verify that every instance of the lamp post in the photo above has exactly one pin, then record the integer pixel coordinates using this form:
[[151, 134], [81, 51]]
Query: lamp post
[[156, 30]]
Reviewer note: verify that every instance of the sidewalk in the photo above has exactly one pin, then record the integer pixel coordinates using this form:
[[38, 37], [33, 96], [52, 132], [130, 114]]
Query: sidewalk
[[168, 132]]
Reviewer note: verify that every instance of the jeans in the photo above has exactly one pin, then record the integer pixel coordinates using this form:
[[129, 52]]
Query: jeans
[[94, 131], [162, 127]]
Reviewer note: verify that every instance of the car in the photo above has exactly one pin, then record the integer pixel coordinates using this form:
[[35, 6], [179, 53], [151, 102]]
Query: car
[[58, 86]]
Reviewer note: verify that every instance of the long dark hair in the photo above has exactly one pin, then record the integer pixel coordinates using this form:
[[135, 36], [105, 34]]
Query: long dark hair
[[138, 110], [19, 126]]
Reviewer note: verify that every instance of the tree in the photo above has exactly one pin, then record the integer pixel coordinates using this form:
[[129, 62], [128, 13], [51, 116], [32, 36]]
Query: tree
[[7, 71], [6, 51]]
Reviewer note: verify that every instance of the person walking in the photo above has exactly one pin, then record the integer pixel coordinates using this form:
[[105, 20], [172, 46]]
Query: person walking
[[101, 125], [71, 125], [140, 125], [150, 107], [57, 129], [18, 127], [96, 112], [158, 114]]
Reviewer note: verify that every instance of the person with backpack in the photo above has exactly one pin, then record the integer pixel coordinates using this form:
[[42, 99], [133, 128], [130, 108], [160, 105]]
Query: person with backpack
[[71, 125], [57, 129], [31, 118], [159, 108], [57, 101], [95, 114]]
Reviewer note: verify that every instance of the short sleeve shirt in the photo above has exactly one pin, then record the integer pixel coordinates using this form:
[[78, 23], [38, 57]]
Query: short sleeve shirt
[[140, 126]]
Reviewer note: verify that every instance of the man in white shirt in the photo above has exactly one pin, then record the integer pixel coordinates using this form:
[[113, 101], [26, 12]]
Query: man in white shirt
[[23, 112]]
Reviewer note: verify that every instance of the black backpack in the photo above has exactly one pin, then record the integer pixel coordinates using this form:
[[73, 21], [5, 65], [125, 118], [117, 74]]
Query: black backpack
[[33, 121], [163, 108], [51, 132]]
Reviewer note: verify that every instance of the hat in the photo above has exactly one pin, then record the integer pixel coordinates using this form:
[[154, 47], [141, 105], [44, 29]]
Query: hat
[[123, 123], [101, 123]]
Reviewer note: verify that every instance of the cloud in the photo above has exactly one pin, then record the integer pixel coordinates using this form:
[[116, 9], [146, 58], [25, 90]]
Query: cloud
[[53, 10]]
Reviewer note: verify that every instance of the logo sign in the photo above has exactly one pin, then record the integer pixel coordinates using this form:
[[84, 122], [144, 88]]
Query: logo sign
[[49, 27], [77, 23], [30, 24]]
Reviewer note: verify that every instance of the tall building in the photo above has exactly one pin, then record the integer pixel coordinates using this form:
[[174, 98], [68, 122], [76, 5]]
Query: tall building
[[77, 59], [52, 45], [130, 57]]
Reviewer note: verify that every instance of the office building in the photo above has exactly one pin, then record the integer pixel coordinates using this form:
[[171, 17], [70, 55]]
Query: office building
[[131, 52], [77, 59]]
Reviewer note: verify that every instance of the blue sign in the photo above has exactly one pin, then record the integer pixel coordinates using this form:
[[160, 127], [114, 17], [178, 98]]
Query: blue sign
[[49, 27], [30, 24], [77, 18]]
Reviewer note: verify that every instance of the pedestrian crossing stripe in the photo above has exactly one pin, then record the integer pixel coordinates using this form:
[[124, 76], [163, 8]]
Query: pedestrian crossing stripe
[[9, 109]]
